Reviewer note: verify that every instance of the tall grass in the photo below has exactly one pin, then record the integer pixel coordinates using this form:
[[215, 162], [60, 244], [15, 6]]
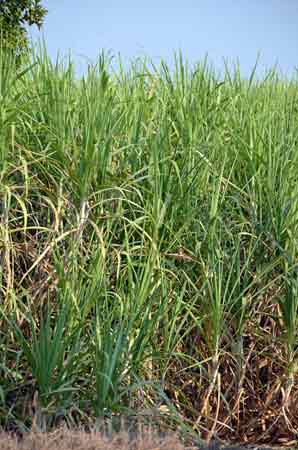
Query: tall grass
[[148, 238]]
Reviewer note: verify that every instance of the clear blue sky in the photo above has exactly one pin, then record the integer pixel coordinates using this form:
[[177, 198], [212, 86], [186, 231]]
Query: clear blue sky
[[227, 29]]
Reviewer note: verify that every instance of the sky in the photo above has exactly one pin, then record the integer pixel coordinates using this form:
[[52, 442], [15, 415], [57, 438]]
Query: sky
[[230, 30]]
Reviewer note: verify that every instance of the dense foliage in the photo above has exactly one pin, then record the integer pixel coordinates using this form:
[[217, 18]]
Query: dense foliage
[[15, 16], [148, 244]]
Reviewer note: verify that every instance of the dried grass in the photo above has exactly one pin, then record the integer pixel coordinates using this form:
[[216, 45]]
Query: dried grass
[[65, 439], [77, 440]]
